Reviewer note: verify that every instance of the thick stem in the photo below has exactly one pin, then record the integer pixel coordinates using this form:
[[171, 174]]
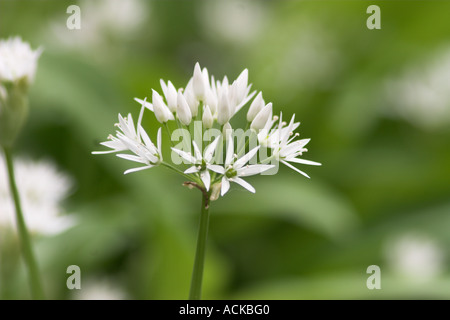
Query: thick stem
[[27, 250], [197, 274]]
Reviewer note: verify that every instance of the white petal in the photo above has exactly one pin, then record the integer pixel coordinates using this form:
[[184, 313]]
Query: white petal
[[198, 154], [216, 168], [209, 151], [137, 169], [207, 118], [131, 157], [141, 115], [198, 82], [224, 108], [144, 103], [225, 186], [263, 116], [148, 142], [185, 156], [159, 138], [244, 159], [206, 178], [230, 150], [255, 107], [253, 169], [304, 161], [244, 102], [183, 110], [244, 184], [294, 168], [192, 169], [105, 152]]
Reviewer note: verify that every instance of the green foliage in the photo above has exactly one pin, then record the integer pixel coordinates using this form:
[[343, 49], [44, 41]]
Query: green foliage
[[382, 176]]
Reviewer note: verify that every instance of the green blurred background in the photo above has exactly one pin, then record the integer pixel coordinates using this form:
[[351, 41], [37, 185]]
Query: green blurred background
[[376, 104]]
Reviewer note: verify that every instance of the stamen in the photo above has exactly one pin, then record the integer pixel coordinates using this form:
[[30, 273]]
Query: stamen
[[275, 118]]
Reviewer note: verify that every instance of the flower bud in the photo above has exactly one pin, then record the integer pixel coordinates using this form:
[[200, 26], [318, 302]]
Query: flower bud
[[262, 117], [171, 95], [207, 118], [18, 63], [255, 107], [162, 113], [224, 112], [198, 83], [183, 111]]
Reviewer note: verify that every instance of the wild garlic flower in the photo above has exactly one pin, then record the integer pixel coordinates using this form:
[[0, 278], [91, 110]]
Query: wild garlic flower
[[18, 64], [42, 188], [203, 109], [135, 140], [280, 140], [235, 168], [17, 60], [201, 164]]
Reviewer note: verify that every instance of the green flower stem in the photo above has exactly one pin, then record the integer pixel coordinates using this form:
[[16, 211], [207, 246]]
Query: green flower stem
[[197, 273], [169, 134], [27, 249]]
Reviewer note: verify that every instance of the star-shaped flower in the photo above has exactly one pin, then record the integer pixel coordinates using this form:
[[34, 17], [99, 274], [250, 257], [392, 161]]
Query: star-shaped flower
[[201, 164]]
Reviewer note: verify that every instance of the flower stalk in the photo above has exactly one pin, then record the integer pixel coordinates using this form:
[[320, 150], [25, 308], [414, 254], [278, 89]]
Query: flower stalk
[[199, 262], [27, 249]]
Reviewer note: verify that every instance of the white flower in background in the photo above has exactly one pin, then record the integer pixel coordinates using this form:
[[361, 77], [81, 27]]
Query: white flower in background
[[17, 60], [42, 188], [212, 104], [235, 21], [18, 63], [421, 94], [99, 289], [101, 20], [416, 257]]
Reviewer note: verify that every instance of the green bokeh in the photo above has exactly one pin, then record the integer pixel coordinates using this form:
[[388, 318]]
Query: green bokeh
[[385, 174]]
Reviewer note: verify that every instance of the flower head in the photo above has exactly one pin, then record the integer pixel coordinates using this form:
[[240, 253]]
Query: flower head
[[211, 105], [18, 63], [137, 141], [17, 60], [236, 168]]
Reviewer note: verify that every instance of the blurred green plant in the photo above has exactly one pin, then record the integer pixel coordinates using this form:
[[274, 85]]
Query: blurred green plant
[[383, 175]]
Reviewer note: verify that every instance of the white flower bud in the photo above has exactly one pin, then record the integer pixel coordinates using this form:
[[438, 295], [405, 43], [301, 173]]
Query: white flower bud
[[198, 82], [183, 110], [162, 113], [256, 106], [191, 99], [262, 117], [171, 95], [207, 118], [224, 112], [227, 130]]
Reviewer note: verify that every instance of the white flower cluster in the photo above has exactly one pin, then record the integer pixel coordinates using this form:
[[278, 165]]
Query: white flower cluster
[[17, 60], [41, 188], [212, 104]]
